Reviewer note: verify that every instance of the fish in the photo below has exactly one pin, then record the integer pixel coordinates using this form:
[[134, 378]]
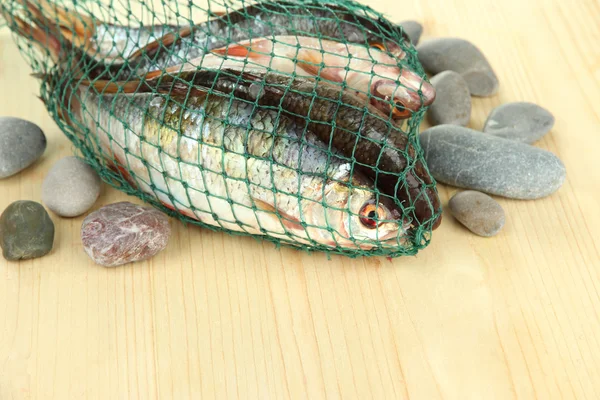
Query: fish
[[228, 165], [370, 73], [141, 50], [339, 119]]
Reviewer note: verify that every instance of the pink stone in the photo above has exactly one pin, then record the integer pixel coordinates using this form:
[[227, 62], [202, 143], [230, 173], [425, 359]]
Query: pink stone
[[124, 232]]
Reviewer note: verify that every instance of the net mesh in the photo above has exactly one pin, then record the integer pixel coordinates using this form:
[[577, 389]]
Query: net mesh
[[285, 121]]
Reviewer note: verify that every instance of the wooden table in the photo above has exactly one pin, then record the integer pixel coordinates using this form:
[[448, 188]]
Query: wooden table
[[216, 316]]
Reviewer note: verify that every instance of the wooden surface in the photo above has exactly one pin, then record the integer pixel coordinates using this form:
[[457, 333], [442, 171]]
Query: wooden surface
[[215, 316]]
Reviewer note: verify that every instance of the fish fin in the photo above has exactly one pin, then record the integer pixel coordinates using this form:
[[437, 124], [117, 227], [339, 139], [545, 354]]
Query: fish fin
[[286, 220], [312, 65], [164, 41], [236, 50]]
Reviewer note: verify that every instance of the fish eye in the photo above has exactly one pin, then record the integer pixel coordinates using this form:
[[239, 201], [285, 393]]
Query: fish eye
[[370, 215], [399, 111], [378, 46]]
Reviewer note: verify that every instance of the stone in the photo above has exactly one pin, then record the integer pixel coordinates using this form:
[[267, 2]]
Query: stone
[[21, 144], [470, 159], [477, 211], [122, 233], [521, 121], [452, 103], [459, 55], [413, 29], [71, 187], [26, 231]]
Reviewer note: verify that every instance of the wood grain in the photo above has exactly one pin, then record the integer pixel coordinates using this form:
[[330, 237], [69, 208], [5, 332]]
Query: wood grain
[[216, 316]]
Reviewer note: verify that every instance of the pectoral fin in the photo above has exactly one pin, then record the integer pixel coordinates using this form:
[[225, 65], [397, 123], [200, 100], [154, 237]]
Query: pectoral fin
[[310, 63], [286, 220]]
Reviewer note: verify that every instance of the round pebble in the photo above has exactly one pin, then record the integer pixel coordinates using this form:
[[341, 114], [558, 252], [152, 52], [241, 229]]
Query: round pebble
[[459, 55], [478, 212], [123, 232], [413, 29], [470, 159], [21, 144], [26, 231], [452, 103], [71, 187], [520, 121]]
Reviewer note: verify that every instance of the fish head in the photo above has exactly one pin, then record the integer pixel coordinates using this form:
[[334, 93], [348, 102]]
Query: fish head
[[400, 94], [357, 216]]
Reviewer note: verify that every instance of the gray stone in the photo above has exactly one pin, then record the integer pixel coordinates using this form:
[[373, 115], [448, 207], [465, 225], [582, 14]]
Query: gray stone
[[21, 144], [470, 159], [478, 212], [413, 29], [71, 187], [520, 121], [26, 231], [123, 232], [459, 55], [452, 103]]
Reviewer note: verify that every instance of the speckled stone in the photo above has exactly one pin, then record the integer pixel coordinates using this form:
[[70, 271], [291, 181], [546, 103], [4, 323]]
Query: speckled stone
[[21, 144], [520, 121], [413, 29], [452, 104], [470, 159], [123, 232], [477, 211], [26, 231], [71, 187], [459, 55]]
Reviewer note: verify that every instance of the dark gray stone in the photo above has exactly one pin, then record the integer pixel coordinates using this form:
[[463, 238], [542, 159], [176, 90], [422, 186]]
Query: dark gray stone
[[71, 187], [452, 103], [413, 29], [478, 212], [520, 121], [470, 159], [26, 231], [21, 144], [459, 55]]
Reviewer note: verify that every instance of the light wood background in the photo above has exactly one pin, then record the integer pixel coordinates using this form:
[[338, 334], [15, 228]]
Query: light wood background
[[215, 316]]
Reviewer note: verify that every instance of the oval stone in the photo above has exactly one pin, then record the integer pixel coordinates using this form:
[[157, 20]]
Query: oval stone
[[521, 121], [470, 159], [477, 211], [71, 187], [413, 29], [21, 144], [459, 55], [123, 232], [26, 231], [452, 103]]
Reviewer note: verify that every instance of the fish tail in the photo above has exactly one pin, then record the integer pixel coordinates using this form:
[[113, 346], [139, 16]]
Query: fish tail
[[41, 31], [73, 26]]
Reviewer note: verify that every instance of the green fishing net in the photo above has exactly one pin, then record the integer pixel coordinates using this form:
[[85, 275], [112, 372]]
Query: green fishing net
[[296, 159]]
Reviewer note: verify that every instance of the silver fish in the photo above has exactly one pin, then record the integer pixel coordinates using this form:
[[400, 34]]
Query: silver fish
[[227, 164]]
